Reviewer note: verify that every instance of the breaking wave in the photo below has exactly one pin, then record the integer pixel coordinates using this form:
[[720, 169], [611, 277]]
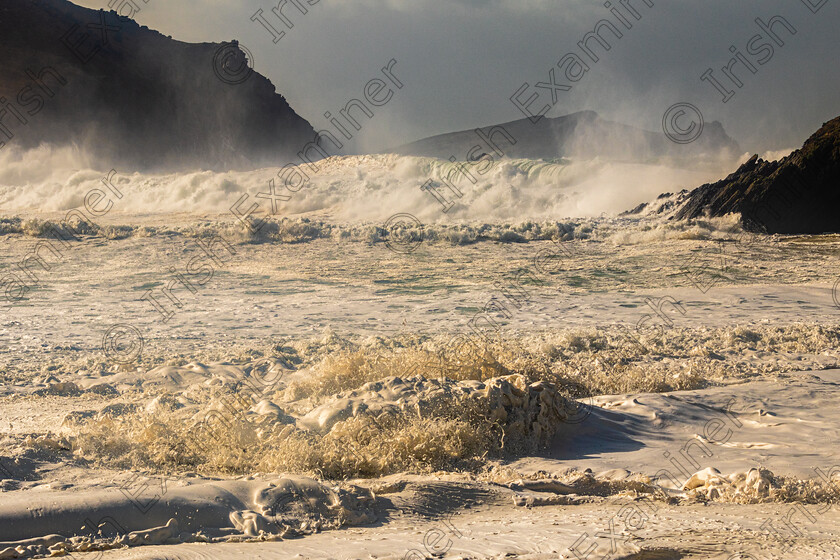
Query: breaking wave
[[355, 188], [618, 231]]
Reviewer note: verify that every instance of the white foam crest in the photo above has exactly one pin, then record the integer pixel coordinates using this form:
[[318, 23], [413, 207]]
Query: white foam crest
[[354, 188]]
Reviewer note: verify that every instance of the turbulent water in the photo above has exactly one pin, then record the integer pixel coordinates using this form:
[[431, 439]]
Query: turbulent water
[[359, 188], [157, 332]]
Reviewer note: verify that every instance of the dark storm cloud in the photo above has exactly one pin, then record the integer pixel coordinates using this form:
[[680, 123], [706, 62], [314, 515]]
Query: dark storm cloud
[[462, 60]]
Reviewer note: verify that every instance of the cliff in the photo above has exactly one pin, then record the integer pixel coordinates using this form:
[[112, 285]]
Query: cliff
[[133, 98], [797, 194]]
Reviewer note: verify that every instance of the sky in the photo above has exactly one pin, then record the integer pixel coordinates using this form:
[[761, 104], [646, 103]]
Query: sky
[[461, 61]]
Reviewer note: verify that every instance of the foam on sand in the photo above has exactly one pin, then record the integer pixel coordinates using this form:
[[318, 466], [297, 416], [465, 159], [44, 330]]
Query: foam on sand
[[360, 430], [209, 512], [382, 427]]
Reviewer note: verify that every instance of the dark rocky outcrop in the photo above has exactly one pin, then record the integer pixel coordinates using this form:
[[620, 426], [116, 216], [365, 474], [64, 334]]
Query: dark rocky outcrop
[[797, 194], [579, 135], [665, 204], [135, 99]]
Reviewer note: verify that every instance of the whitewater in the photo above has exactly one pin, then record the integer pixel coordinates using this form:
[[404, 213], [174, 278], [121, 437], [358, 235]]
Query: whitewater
[[177, 383], [357, 188]]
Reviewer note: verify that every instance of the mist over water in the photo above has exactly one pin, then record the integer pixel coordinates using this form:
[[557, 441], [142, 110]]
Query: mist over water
[[357, 188]]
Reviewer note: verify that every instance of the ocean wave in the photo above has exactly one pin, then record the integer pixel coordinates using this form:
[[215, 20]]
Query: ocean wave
[[355, 188], [617, 231]]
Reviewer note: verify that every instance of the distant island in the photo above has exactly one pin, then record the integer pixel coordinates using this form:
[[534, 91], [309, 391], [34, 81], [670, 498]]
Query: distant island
[[582, 135]]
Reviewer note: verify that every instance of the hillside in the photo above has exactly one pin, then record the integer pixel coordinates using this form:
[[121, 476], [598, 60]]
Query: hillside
[[133, 98]]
